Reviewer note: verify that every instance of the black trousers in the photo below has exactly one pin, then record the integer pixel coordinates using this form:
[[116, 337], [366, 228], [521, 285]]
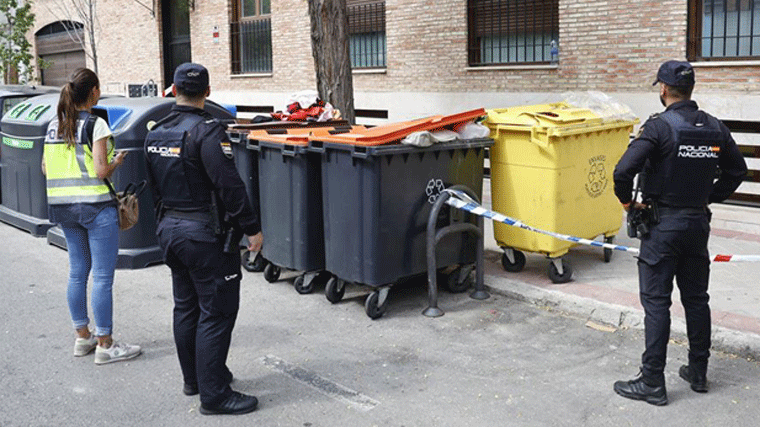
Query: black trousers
[[676, 247], [206, 286]]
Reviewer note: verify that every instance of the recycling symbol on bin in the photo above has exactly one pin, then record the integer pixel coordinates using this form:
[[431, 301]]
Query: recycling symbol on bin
[[433, 189], [597, 177]]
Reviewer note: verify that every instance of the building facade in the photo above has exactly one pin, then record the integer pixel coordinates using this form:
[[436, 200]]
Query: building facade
[[415, 58]]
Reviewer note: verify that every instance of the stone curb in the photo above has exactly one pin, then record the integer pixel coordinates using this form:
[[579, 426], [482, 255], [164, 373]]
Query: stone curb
[[739, 343]]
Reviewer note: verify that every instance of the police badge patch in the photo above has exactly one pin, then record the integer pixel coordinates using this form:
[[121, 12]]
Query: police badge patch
[[638, 134], [227, 149]]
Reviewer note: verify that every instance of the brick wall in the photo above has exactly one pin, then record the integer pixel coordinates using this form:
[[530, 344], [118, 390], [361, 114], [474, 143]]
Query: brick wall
[[127, 37], [292, 63], [129, 44], [613, 46]]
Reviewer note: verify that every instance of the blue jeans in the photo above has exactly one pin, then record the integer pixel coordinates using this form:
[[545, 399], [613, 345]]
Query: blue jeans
[[92, 246]]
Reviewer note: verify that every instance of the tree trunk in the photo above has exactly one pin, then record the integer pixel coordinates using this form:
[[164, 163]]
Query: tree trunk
[[329, 46]]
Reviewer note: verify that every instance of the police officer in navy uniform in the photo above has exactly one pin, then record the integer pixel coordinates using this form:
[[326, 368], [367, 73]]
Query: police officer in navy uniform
[[202, 207], [681, 152]]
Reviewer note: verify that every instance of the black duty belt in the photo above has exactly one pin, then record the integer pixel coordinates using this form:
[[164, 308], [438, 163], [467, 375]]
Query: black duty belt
[[202, 216], [670, 210]]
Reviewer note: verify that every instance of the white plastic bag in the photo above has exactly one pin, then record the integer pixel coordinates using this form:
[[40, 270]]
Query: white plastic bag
[[600, 104], [327, 113], [426, 138], [304, 98], [472, 130]]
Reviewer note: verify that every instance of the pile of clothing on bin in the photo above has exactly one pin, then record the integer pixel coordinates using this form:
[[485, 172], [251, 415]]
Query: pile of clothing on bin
[[305, 106]]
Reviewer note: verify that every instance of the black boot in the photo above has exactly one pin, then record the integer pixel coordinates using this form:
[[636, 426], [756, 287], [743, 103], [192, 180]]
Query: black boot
[[637, 389], [698, 380]]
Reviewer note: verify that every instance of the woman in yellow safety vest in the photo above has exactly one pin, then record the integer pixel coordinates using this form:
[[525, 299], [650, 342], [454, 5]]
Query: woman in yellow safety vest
[[75, 165]]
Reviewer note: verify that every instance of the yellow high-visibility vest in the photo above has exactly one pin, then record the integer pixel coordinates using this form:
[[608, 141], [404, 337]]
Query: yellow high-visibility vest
[[70, 171]]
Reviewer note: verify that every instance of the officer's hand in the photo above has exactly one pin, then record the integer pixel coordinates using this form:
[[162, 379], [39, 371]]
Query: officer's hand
[[255, 242], [636, 206]]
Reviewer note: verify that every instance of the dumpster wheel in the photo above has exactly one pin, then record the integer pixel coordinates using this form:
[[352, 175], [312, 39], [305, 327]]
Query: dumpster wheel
[[271, 273], [554, 274], [302, 287], [458, 280], [518, 262], [376, 303], [335, 289], [255, 265], [608, 252]]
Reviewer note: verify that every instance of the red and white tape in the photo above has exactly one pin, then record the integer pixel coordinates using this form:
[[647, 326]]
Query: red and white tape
[[736, 258]]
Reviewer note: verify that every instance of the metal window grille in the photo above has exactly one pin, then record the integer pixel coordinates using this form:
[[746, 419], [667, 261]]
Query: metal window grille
[[511, 31], [252, 45], [366, 28], [724, 29]]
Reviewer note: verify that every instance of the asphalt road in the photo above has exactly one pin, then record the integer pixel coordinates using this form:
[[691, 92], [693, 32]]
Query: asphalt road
[[484, 363]]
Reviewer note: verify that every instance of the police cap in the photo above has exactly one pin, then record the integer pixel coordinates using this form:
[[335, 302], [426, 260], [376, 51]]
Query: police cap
[[675, 73], [191, 78]]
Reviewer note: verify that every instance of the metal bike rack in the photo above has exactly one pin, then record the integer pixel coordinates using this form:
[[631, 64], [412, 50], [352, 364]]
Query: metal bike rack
[[434, 236]]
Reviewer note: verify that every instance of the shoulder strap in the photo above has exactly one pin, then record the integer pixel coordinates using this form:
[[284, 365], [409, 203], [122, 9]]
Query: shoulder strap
[[89, 129], [674, 121], [188, 122]]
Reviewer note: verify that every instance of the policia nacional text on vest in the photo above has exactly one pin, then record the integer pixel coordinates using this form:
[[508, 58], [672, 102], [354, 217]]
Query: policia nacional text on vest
[[70, 171]]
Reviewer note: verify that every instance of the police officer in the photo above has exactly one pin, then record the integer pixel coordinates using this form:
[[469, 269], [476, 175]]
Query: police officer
[[198, 191], [680, 152]]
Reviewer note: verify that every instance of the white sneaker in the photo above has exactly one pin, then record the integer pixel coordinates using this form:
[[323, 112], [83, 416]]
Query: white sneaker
[[116, 353], [83, 346]]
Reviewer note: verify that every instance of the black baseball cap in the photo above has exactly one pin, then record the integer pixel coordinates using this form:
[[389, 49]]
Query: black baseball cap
[[675, 73], [191, 78]]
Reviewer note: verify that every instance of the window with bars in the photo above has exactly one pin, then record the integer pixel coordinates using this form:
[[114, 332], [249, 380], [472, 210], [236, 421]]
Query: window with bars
[[511, 31], [724, 30], [366, 29], [251, 32]]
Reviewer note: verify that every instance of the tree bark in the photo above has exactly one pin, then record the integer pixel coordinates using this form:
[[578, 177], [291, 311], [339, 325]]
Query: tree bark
[[329, 46]]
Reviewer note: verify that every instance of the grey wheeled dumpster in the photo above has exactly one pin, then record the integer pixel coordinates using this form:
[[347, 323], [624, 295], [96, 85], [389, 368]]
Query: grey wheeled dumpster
[[291, 210], [376, 202], [23, 128], [247, 163], [129, 119]]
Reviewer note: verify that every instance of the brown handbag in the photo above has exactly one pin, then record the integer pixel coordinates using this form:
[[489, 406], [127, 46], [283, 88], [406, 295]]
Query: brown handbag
[[127, 203]]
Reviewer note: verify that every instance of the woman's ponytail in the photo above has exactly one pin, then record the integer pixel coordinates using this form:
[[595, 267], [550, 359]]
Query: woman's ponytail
[[67, 116], [74, 95]]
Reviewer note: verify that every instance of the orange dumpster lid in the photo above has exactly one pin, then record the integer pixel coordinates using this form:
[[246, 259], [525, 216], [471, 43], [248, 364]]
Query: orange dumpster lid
[[301, 138], [392, 132], [298, 136]]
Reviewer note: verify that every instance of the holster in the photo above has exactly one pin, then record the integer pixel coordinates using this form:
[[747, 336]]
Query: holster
[[640, 221], [232, 239]]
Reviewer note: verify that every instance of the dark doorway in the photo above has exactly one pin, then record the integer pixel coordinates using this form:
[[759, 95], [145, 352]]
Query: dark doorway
[[176, 25]]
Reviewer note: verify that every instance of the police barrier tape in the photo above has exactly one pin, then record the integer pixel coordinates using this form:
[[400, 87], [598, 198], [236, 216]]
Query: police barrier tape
[[462, 201]]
